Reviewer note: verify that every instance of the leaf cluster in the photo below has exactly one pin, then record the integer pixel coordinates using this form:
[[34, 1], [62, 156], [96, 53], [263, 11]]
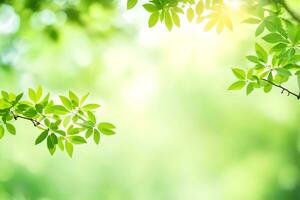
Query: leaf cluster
[[62, 125], [277, 51], [214, 13]]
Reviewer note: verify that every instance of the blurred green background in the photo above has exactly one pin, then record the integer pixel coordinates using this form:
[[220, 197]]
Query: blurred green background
[[181, 134]]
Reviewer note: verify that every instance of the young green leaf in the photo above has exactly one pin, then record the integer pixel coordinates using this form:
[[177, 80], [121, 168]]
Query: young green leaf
[[176, 18], [66, 102], [39, 93], [168, 21], [153, 19], [60, 143], [274, 38], [88, 133], [1, 132], [150, 7], [69, 148], [131, 3], [89, 107], [11, 129], [237, 85], [77, 139], [249, 88], [74, 98], [190, 14], [200, 7], [261, 52], [240, 74], [106, 128], [41, 137], [96, 136], [32, 95]]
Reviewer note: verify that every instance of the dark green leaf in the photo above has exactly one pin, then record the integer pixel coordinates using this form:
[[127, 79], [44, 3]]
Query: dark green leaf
[[41, 137]]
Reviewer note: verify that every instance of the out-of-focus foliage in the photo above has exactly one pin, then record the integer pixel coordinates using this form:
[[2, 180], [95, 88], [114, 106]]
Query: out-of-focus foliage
[[178, 139], [214, 13], [61, 125], [21, 22], [275, 62]]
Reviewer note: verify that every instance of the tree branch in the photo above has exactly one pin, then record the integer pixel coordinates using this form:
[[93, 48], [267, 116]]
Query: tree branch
[[34, 121], [283, 89], [290, 11]]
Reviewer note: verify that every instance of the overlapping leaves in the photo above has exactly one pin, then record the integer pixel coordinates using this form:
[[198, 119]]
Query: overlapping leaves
[[214, 13], [277, 60], [62, 125]]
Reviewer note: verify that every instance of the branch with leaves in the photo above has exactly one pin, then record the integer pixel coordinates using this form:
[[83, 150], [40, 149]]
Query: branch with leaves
[[214, 13], [278, 62], [73, 122], [277, 49]]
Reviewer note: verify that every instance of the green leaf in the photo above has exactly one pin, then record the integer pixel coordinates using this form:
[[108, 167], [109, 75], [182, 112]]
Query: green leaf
[[237, 85], [30, 113], [283, 72], [251, 21], [89, 107], [150, 7], [261, 53], [260, 29], [253, 59], [32, 95], [1, 132], [50, 145], [74, 99], [4, 104], [176, 18], [60, 143], [83, 99], [73, 131], [77, 139], [54, 139], [91, 116], [106, 128], [153, 19], [131, 3], [66, 121], [96, 136], [69, 148], [268, 88], [200, 7], [4, 94], [66, 102], [274, 38], [249, 88], [88, 132], [240, 74], [39, 93], [279, 47], [10, 128], [168, 21], [190, 14], [41, 137], [58, 110]]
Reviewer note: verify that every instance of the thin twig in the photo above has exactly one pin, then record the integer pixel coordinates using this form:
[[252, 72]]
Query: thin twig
[[34, 121], [283, 89]]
